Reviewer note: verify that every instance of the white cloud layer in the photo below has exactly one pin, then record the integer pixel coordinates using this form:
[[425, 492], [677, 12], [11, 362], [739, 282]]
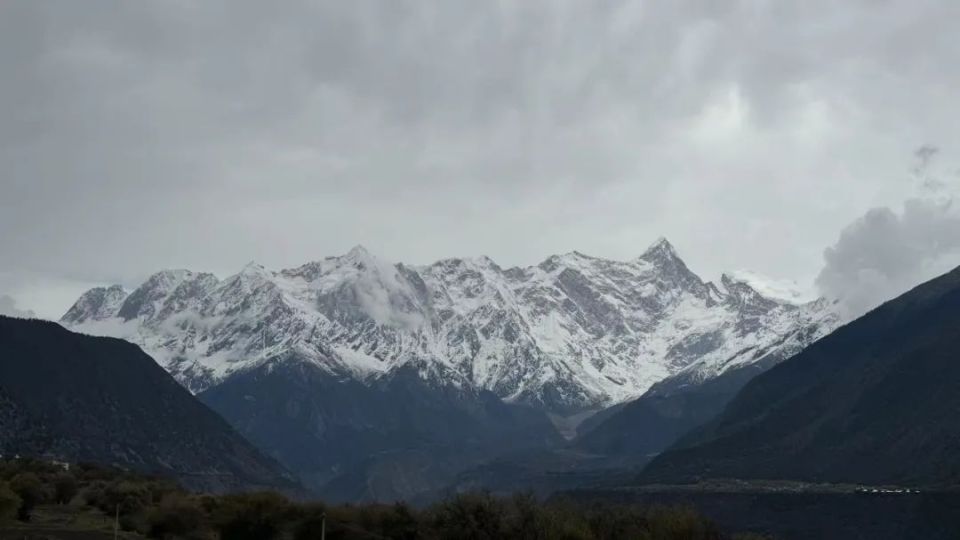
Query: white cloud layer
[[143, 135], [8, 307], [888, 251]]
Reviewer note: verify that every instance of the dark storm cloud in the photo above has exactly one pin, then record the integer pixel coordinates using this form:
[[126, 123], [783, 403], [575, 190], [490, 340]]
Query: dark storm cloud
[[142, 135]]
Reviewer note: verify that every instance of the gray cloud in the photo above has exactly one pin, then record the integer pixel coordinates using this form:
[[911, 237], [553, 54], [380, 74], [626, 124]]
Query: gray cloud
[[887, 252], [142, 135], [8, 307]]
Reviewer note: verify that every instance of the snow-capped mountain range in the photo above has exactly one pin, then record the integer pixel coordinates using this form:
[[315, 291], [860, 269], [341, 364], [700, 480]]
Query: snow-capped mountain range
[[570, 334]]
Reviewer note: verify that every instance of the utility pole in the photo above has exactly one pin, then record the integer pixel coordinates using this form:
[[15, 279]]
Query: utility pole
[[116, 523], [323, 526]]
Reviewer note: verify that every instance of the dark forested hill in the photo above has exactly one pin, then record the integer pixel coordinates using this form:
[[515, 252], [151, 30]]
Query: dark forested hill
[[82, 398], [874, 402]]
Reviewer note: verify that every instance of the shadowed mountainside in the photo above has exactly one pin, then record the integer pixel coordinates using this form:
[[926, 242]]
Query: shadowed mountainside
[[81, 398], [874, 402]]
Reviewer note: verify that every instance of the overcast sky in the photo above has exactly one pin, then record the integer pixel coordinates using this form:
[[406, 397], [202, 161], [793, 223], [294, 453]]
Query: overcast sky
[[136, 136]]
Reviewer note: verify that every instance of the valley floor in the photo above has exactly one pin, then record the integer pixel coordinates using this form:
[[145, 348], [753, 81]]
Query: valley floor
[[801, 511]]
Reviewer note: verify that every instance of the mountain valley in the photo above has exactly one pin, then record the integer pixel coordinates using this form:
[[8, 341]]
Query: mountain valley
[[353, 372]]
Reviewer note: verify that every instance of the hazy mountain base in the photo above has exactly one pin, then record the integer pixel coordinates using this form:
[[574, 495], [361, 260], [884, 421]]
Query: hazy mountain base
[[615, 444], [645, 427], [682, 402], [397, 439], [547, 471]]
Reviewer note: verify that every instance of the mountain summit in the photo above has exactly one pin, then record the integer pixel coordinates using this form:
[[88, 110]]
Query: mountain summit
[[662, 249], [570, 334]]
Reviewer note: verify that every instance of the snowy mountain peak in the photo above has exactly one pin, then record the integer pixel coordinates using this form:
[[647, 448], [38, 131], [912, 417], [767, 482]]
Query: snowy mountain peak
[[253, 267], [487, 262], [778, 289], [737, 287], [571, 333], [170, 277], [95, 304], [358, 253], [662, 249]]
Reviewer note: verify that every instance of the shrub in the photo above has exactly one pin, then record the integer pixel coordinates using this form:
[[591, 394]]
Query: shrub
[[471, 516], [400, 523], [177, 516], [131, 497], [30, 490], [619, 521], [680, 522], [64, 488], [9, 502], [311, 522], [255, 516]]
